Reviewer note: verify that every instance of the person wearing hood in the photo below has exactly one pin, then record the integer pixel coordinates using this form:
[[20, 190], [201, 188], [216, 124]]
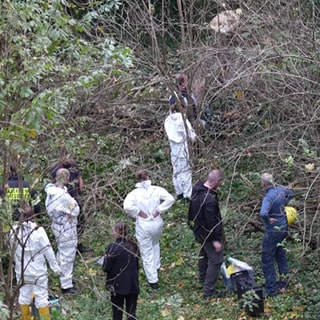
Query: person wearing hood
[[204, 218], [63, 211], [179, 130], [32, 249], [146, 204]]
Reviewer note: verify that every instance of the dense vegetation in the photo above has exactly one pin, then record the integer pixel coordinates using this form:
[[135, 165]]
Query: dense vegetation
[[91, 79]]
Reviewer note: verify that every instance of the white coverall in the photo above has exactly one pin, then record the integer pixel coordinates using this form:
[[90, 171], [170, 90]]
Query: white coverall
[[31, 250], [178, 136], [63, 210], [148, 199]]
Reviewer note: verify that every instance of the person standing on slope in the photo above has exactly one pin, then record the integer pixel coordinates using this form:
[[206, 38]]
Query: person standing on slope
[[63, 211], [179, 131], [146, 203]]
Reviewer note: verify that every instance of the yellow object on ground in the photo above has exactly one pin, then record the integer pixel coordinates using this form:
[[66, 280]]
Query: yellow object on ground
[[232, 269], [291, 213]]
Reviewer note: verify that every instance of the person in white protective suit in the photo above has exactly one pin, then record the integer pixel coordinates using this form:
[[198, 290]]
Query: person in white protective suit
[[179, 130], [32, 249], [146, 203], [63, 211]]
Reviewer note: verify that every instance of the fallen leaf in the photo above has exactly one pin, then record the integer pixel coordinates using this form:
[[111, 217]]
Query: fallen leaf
[[33, 133]]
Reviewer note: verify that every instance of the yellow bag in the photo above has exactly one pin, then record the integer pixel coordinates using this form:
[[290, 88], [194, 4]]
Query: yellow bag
[[291, 213]]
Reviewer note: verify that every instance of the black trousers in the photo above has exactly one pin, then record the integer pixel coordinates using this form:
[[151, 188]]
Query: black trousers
[[81, 218], [118, 303], [209, 264]]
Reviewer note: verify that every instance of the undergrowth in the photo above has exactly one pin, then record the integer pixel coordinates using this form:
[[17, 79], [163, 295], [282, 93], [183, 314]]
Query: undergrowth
[[180, 295]]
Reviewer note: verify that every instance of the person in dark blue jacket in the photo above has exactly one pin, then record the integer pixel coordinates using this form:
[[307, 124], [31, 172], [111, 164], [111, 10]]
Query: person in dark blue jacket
[[121, 264], [18, 192], [276, 229], [205, 220]]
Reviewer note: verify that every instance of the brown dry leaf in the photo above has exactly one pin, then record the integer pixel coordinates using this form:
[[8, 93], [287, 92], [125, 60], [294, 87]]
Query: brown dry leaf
[[180, 285], [294, 315], [267, 311], [196, 307]]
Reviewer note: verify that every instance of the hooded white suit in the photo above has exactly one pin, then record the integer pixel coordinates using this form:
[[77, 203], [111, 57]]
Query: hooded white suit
[[32, 248], [148, 199], [63, 210], [179, 131]]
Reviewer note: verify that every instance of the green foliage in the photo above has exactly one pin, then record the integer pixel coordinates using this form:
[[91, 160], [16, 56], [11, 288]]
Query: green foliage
[[4, 312], [66, 89], [44, 63]]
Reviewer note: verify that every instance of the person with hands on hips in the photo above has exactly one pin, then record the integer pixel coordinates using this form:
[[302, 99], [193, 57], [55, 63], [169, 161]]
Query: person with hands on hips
[[204, 218], [145, 204]]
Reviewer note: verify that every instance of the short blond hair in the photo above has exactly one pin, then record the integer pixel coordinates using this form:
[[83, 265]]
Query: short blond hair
[[62, 176]]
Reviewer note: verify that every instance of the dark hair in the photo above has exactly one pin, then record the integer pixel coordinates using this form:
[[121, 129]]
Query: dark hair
[[121, 229], [27, 212], [13, 168], [68, 163], [142, 175]]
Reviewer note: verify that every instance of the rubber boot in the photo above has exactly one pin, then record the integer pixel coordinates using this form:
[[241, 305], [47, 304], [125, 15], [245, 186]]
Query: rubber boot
[[25, 312], [44, 313]]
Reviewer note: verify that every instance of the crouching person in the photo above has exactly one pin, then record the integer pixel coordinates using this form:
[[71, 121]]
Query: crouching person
[[121, 262], [32, 249]]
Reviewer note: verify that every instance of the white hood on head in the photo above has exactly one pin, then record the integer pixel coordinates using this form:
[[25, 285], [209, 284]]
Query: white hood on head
[[144, 184]]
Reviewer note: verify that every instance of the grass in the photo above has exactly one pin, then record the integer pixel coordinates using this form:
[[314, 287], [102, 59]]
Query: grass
[[180, 295]]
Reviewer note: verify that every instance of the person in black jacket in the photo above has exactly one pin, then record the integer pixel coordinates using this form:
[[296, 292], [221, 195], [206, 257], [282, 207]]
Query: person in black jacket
[[205, 220], [121, 263]]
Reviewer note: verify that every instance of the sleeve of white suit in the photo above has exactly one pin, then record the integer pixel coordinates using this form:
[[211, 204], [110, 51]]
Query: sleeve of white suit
[[12, 238], [191, 132], [129, 205], [167, 200], [48, 251], [71, 206]]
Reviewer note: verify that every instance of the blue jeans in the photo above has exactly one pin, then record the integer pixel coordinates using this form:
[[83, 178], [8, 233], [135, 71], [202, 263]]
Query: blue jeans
[[273, 252], [209, 264]]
